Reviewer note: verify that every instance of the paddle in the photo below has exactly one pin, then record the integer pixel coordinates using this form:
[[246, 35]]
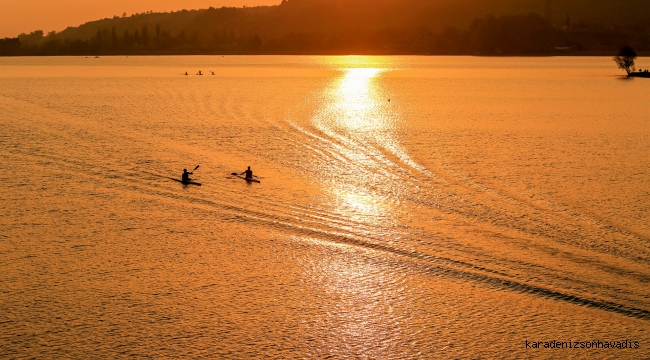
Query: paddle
[[197, 166], [240, 174]]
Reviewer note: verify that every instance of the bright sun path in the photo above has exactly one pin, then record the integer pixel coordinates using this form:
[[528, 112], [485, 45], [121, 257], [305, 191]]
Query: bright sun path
[[356, 112], [356, 99]]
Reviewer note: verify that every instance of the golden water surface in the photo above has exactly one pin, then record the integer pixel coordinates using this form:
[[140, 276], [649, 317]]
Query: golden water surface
[[408, 207]]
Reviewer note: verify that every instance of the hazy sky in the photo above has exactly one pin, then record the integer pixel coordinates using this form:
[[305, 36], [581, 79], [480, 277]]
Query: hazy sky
[[18, 16]]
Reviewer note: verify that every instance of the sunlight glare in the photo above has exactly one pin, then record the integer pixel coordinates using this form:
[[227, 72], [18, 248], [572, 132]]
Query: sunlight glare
[[356, 99]]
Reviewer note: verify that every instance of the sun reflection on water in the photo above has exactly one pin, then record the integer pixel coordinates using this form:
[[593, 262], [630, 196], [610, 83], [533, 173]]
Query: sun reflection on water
[[356, 99], [356, 125], [355, 121], [360, 206]]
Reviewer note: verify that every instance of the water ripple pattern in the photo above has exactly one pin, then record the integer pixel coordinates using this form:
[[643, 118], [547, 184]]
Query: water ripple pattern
[[408, 207]]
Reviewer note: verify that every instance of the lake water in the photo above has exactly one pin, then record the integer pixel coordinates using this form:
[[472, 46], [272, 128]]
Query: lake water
[[408, 207]]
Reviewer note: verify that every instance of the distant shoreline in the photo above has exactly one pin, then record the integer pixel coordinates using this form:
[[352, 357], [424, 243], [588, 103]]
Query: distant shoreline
[[357, 27]]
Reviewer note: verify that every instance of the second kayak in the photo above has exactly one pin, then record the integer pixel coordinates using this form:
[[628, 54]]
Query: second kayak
[[186, 182], [248, 179]]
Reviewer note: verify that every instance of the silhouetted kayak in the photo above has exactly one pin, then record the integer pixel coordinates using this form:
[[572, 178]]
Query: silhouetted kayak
[[248, 179], [186, 182]]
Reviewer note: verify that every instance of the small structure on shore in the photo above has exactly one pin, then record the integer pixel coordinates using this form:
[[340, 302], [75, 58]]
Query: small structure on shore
[[642, 74]]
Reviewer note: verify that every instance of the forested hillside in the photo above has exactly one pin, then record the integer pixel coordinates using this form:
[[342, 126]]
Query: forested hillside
[[489, 27]]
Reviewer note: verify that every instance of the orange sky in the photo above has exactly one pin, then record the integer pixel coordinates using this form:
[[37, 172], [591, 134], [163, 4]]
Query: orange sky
[[18, 16]]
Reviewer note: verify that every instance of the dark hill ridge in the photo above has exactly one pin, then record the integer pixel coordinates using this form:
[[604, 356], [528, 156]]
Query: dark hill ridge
[[360, 26]]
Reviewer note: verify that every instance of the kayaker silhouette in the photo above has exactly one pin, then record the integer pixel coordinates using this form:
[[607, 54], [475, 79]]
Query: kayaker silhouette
[[249, 173], [186, 175]]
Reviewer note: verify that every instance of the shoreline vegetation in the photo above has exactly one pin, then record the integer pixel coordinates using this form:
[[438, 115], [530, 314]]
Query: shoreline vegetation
[[359, 27]]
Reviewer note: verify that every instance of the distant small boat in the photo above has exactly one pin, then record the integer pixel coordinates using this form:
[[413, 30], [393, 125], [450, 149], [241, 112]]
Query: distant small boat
[[641, 74]]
